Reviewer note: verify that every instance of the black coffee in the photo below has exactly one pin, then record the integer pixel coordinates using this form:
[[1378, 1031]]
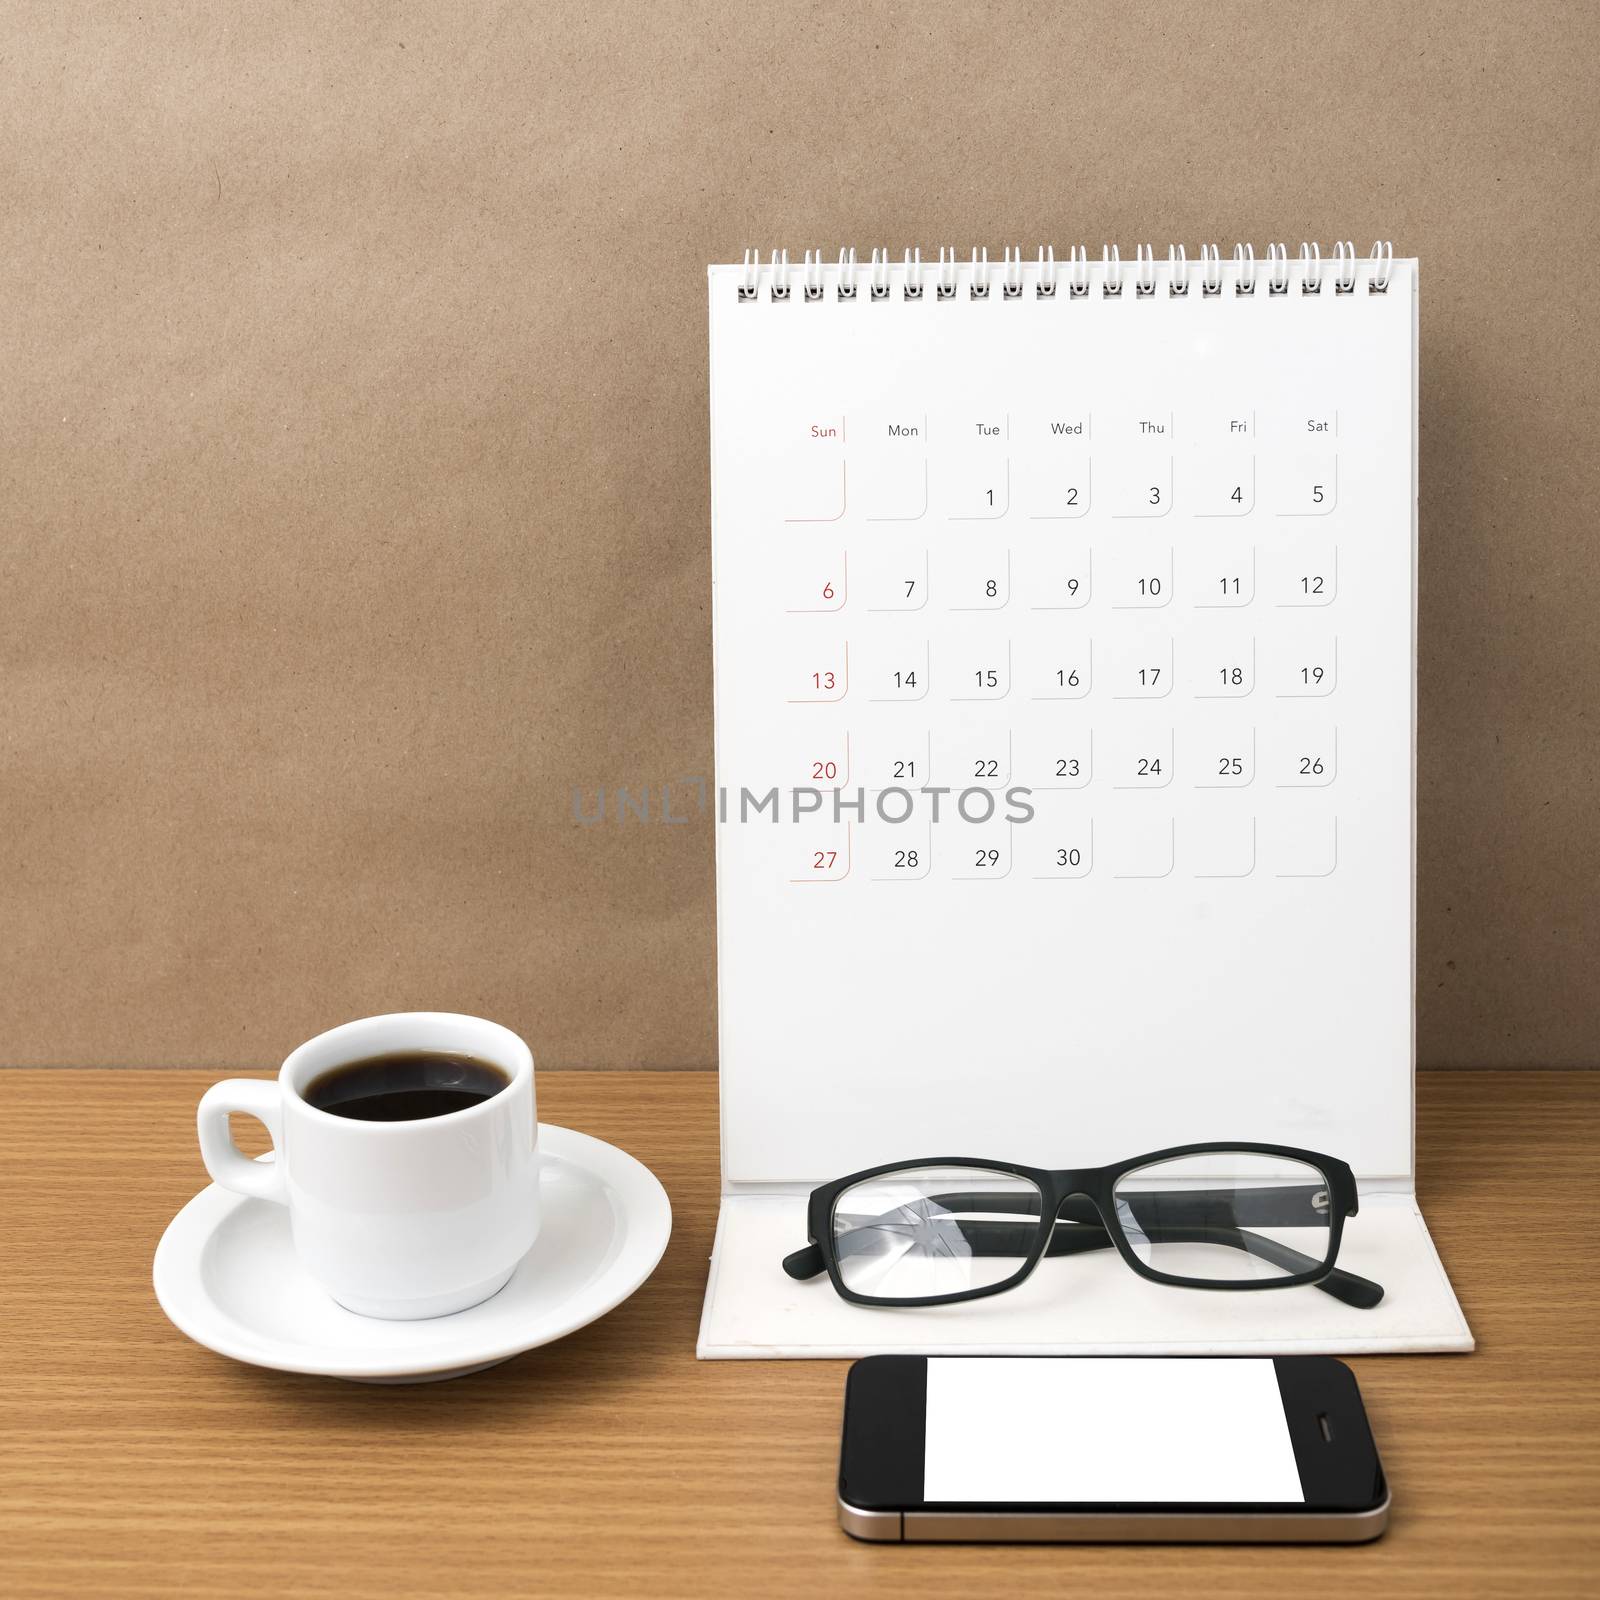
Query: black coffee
[[406, 1086]]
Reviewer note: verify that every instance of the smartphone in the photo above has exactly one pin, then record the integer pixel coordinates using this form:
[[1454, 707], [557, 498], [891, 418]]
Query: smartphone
[[1140, 1448]]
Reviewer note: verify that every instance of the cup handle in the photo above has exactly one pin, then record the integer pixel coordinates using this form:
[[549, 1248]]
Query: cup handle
[[228, 1166]]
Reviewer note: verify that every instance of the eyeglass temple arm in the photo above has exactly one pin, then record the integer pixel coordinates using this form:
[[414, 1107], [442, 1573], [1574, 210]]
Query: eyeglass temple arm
[[1348, 1287], [1280, 1205], [1296, 1205], [1001, 1238]]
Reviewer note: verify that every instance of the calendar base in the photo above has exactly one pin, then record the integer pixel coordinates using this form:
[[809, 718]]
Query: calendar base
[[1076, 1305]]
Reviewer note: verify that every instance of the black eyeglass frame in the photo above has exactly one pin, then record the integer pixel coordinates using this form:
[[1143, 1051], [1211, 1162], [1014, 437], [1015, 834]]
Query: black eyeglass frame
[[1098, 1186]]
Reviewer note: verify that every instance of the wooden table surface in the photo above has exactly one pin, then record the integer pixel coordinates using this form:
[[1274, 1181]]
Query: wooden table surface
[[136, 1463]]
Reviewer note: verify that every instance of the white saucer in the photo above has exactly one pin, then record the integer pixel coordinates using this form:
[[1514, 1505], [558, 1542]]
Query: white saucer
[[226, 1274]]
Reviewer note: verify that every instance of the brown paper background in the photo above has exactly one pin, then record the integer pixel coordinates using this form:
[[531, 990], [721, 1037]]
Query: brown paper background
[[353, 468]]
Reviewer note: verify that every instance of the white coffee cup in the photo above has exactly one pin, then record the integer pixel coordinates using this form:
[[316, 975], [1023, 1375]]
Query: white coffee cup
[[394, 1219]]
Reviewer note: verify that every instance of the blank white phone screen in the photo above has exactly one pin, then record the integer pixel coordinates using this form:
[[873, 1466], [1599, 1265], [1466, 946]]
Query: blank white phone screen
[[1095, 1429]]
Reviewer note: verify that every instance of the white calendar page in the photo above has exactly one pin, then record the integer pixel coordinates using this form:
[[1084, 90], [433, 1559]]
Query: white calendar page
[[1127, 583], [1137, 572]]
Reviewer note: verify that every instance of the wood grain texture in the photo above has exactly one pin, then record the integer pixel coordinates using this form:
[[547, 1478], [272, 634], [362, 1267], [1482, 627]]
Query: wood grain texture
[[136, 1463], [354, 504]]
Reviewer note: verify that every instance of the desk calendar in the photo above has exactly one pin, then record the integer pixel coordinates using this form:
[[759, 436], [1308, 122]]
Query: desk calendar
[[1064, 667]]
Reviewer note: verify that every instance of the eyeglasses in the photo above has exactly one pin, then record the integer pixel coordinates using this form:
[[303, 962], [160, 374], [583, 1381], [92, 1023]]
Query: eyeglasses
[[1199, 1216]]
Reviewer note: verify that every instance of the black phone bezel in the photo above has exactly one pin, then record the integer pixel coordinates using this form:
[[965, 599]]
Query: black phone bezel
[[884, 1438]]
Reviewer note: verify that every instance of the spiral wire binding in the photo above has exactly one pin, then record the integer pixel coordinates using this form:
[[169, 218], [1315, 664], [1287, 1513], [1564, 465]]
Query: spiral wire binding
[[1344, 267], [847, 275], [1382, 266], [1111, 263], [1144, 283], [1045, 289], [1178, 265], [1245, 257], [1080, 272], [1277, 269], [780, 274], [1341, 269], [813, 274], [1011, 289], [1311, 259], [913, 288]]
